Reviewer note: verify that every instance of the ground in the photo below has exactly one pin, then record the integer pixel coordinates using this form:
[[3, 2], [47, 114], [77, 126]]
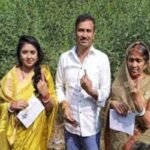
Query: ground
[[57, 140]]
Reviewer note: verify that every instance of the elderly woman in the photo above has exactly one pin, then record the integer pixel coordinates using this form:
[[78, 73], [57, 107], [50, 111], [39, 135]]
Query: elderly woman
[[131, 93], [25, 82]]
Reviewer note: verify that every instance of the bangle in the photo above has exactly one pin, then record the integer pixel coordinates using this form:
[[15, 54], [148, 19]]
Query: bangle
[[140, 114], [46, 97]]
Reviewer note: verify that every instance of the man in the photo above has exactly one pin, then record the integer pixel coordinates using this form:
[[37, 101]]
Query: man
[[83, 85]]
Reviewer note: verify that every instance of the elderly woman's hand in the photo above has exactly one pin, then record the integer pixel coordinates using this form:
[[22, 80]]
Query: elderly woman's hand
[[137, 97], [121, 107], [138, 100]]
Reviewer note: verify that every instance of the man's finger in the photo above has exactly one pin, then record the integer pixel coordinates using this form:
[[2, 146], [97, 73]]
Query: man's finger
[[82, 80], [73, 122], [85, 73]]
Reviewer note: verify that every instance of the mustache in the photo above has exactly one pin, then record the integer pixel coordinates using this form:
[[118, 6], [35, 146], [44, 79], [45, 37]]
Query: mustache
[[83, 38]]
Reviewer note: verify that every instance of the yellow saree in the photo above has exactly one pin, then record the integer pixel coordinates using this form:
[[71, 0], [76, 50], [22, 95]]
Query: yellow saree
[[13, 135], [121, 91]]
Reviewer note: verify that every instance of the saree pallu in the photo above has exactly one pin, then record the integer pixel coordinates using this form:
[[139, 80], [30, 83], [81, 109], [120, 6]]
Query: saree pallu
[[116, 140], [122, 88], [15, 136]]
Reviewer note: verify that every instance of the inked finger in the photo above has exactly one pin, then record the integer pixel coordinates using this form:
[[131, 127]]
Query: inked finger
[[43, 77]]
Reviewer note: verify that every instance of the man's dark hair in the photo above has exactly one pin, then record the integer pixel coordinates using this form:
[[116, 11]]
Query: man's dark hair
[[84, 17]]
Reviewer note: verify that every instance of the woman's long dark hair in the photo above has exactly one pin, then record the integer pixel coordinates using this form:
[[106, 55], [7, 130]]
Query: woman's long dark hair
[[37, 69]]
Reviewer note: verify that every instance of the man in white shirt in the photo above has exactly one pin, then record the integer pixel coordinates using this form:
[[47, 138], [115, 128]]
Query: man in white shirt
[[83, 85]]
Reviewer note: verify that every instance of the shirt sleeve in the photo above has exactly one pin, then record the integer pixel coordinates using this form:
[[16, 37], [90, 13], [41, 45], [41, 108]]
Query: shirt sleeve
[[60, 84], [105, 81]]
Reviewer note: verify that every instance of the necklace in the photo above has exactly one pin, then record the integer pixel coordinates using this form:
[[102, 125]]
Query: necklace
[[22, 74], [25, 74]]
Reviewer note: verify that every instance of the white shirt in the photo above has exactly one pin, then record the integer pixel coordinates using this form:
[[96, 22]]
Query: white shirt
[[85, 110]]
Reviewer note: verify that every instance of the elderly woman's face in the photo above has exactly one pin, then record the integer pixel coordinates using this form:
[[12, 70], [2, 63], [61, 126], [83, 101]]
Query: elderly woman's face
[[136, 63]]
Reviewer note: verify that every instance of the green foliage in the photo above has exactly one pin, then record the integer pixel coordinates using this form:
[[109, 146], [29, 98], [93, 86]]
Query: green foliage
[[118, 23]]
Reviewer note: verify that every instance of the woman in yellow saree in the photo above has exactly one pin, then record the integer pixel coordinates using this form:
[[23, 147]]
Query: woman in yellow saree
[[131, 93], [24, 80]]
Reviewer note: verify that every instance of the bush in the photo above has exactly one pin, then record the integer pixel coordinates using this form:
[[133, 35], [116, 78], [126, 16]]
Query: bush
[[118, 23]]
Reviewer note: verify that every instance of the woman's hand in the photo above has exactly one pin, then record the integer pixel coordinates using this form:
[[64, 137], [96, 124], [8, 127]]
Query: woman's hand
[[138, 101], [18, 105], [42, 86], [137, 97], [44, 91], [121, 107]]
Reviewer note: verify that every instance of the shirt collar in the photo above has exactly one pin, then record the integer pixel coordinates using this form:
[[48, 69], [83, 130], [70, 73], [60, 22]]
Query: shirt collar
[[92, 50]]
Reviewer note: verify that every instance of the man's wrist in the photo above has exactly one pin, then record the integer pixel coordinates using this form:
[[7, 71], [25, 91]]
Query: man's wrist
[[93, 93], [64, 105]]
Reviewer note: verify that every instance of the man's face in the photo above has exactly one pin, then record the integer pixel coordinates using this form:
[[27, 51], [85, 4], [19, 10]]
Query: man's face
[[85, 34]]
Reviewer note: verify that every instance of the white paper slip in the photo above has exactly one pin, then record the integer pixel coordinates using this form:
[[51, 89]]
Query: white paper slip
[[30, 113], [122, 123]]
